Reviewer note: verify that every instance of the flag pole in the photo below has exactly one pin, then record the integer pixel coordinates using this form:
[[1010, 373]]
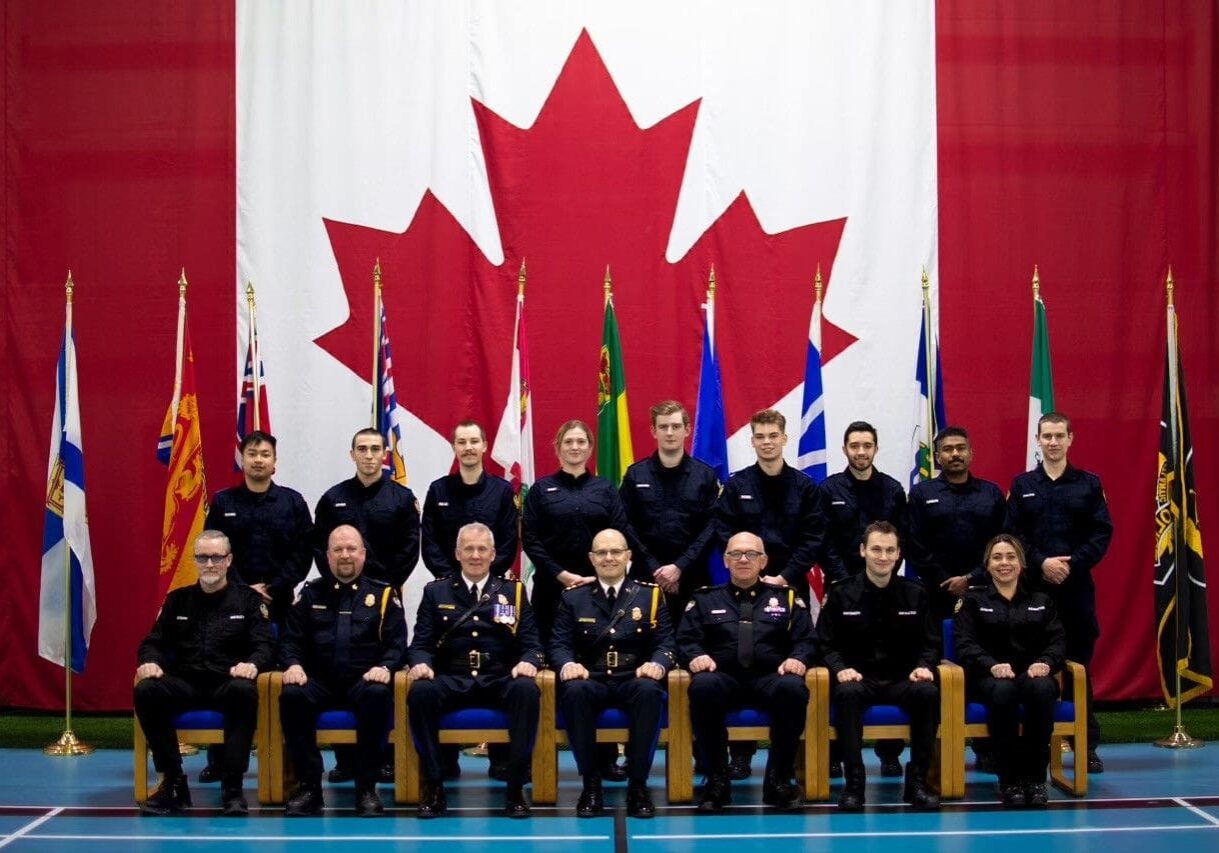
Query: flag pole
[[376, 341], [254, 356], [929, 366], [1179, 739], [67, 745], [608, 286]]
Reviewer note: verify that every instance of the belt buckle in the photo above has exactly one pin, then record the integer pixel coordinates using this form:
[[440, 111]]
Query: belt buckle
[[474, 658], [611, 659]]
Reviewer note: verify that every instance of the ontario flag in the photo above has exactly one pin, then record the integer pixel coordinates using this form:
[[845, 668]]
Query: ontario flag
[[253, 406]]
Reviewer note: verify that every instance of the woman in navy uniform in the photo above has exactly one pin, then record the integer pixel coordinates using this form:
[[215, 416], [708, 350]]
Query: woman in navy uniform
[[1011, 643]]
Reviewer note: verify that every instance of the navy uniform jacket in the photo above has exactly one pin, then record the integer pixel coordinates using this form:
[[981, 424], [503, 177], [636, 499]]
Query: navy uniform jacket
[[781, 630], [1065, 516], [950, 525], [271, 537], [988, 629], [202, 633], [616, 641], [451, 504], [386, 516], [338, 631], [883, 633], [676, 528], [791, 530], [497, 635], [850, 505]]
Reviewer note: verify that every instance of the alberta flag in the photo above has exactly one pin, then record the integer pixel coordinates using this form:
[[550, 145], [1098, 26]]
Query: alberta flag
[[929, 417], [710, 443], [67, 560]]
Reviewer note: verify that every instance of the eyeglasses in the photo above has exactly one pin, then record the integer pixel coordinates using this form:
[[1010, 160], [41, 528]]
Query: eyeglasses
[[609, 552], [745, 555], [210, 559]]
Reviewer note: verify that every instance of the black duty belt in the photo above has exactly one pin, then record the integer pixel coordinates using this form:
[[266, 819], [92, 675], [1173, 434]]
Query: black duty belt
[[472, 659], [615, 660]]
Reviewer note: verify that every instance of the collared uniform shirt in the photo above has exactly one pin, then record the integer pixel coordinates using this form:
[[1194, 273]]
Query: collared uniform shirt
[[950, 525], [712, 622], [671, 511], [589, 632], [338, 631], [270, 533], [989, 630], [451, 504], [850, 505], [208, 633], [881, 632], [386, 515]]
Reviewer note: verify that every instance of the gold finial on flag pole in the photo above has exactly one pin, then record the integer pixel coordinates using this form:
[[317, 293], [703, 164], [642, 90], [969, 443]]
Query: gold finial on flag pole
[[182, 284], [520, 281], [255, 355], [68, 287], [376, 338], [1036, 283], [818, 284], [607, 285], [711, 283], [1169, 285]]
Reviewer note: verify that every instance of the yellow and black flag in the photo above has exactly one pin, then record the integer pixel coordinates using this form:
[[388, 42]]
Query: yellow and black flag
[[1180, 581]]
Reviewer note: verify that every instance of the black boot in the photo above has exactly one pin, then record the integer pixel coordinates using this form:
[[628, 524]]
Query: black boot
[[916, 792], [1035, 796], [171, 796], [778, 791], [368, 802], [232, 801], [592, 800], [1011, 794], [639, 801], [515, 804], [432, 801], [716, 793], [852, 798], [306, 801]]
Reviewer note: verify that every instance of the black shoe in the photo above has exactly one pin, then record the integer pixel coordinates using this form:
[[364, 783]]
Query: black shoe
[[612, 771], [515, 804], [171, 796], [232, 801], [639, 801], [782, 794], [890, 768], [592, 800], [739, 767], [1095, 765], [307, 801], [1012, 796], [209, 774], [835, 769], [339, 774], [716, 793], [984, 762], [386, 774], [852, 797], [916, 792], [368, 803], [1035, 795], [432, 801]]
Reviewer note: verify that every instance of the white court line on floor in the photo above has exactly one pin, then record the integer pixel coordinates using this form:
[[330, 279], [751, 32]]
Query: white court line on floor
[[29, 827], [1199, 812], [929, 833], [324, 839]]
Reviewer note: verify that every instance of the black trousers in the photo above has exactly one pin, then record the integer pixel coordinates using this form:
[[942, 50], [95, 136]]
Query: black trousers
[[1081, 645], [919, 699], [430, 699], [301, 704], [582, 700], [159, 700], [784, 697], [1019, 756]]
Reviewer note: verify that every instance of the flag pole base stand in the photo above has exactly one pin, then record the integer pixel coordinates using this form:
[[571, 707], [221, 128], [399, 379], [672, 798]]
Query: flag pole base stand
[[477, 751], [67, 745], [1179, 739], [187, 749]]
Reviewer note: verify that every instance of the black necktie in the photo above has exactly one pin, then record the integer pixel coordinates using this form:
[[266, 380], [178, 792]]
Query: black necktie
[[611, 595], [474, 592], [744, 648], [342, 633]]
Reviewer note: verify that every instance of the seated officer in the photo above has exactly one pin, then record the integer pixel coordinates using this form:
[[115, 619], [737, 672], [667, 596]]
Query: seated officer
[[345, 635], [612, 645], [747, 644], [880, 643], [476, 645], [206, 648]]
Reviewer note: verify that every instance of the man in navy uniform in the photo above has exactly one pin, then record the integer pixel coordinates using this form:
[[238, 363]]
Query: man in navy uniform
[[747, 643], [669, 500], [346, 634], [206, 648], [475, 645], [881, 645], [612, 645], [1062, 518]]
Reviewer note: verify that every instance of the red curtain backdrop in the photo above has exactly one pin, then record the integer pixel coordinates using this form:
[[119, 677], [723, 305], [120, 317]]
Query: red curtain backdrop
[[1080, 137]]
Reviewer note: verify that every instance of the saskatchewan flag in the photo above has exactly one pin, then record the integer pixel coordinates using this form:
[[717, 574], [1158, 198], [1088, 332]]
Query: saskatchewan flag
[[1041, 382], [1180, 583], [614, 452]]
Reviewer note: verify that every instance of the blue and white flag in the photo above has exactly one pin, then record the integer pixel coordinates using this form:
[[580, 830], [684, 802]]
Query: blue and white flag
[[929, 417], [67, 561], [811, 458]]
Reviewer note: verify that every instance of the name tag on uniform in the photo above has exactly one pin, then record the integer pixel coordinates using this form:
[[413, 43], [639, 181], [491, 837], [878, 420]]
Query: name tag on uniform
[[1029, 495], [340, 503], [907, 613], [932, 501], [643, 485], [552, 488], [838, 503], [237, 616], [746, 497], [230, 515], [987, 609], [442, 503], [1035, 609], [320, 607], [851, 612], [592, 619], [718, 612], [183, 618], [447, 606]]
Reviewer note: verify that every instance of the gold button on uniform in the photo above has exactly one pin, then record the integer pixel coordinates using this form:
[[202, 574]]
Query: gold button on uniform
[[473, 633]]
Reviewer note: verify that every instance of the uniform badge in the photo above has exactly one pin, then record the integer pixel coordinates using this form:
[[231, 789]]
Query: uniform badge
[[956, 608], [636, 614], [689, 605], [370, 600], [502, 599], [773, 606], [262, 608]]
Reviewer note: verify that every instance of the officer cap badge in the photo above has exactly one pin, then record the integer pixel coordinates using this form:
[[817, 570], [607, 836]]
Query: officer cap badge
[[636, 614], [501, 598], [370, 600]]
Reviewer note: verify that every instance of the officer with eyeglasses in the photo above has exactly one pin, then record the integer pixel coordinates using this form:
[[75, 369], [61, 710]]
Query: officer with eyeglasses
[[747, 644], [612, 646], [205, 650]]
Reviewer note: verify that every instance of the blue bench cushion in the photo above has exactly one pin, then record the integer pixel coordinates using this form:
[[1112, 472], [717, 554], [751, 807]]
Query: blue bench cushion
[[199, 719], [878, 715], [612, 718]]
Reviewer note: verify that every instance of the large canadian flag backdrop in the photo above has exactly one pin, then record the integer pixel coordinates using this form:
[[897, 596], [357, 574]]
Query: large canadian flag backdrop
[[294, 145]]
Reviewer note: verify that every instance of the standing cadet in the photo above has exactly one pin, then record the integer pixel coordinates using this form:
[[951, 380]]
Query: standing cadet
[[951, 519], [878, 639], [386, 514], [747, 644], [208, 645], [475, 645], [612, 646], [669, 500], [1062, 518], [346, 634]]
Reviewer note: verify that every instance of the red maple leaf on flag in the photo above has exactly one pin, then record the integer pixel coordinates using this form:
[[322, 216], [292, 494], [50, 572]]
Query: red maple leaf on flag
[[582, 189]]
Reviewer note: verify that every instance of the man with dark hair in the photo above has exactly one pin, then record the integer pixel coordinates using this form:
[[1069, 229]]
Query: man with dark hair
[[1062, 518], [346, 634], [669, 500], [207, 647], [951, 519], [878, 639]]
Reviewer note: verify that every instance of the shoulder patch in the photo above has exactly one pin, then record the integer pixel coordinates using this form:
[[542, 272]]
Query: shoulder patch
[[262, 608], [956, 608], [799, 602], [689, 605]]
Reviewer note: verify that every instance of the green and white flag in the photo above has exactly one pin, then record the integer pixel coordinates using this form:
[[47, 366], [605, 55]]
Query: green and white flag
[[1041, 382]]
